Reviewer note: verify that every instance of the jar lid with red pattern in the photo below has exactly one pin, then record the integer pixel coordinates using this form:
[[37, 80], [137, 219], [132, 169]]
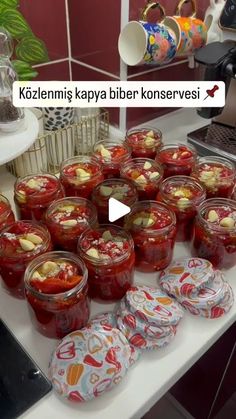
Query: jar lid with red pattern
[[212, 311], [153, 306], [185, 277], [89, 362]]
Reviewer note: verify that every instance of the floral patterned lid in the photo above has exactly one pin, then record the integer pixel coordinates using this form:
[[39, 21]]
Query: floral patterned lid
[[185, 277], [212, 311], [153, 306], [89, 362]]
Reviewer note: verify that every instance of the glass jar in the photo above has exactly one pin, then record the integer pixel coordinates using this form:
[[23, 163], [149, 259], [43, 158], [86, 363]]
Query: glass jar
[[108, 253], [144, 142], [176, 159], [214, 235], [56, 290], [34, 193], [183, 195], [121, 189], [111, 155], [79, 175], [153, 228], [6, 214], [146, 175], [217, 175], [20, 243], [67, 218]]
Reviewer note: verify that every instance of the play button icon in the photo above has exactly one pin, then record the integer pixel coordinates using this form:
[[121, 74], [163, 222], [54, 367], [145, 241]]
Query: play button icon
[[117, 210]]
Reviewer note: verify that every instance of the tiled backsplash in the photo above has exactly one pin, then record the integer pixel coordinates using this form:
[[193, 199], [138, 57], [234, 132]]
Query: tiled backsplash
[[91, 51], [47, 19]]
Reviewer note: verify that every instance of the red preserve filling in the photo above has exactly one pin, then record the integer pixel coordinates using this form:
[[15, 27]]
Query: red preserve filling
[[69, 215], [176, 160], [214, 235], [150, 219], [36, 185], [221, 217], [144, 143], [104, 246], [182, 196], [54, 277], [154, 231], [108, 153], [4, 206], [109, 257], [80, 172], [21, 240], [146, 175], [176, 155], [6, 214], [119, 190], [217, 178], [146, 138]]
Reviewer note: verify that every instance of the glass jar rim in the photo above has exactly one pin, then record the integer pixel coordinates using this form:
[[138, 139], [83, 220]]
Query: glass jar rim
[[116, 182], [60, 254], [109, 143], [42, 228], [140, 206], [144, 128], [8, 209], [36, 192], [73, 199], [158, 136], [214, 202], [141, 161], [215, 159], [185, 180], [176, 146], [80, 159], [104, 227]]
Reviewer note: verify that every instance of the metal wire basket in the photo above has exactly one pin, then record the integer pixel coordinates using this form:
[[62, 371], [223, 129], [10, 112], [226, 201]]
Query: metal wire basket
[[50, 149]]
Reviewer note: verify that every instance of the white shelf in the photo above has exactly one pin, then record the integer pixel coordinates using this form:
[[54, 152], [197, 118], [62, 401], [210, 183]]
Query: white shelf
[[13, 144]]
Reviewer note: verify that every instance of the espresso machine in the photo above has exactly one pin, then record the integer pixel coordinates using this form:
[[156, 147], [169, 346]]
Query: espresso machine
[[217, 62]]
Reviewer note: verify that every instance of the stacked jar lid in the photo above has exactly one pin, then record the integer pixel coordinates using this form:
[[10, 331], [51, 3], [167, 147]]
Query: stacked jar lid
[[197, 287], [92, 360], [148, 317]]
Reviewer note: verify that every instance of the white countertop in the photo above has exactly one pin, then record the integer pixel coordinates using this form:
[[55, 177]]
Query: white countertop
[[156, 371]]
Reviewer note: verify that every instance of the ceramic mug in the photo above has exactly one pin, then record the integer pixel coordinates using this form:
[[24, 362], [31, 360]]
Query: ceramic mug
[[190, 31], [147, 43]]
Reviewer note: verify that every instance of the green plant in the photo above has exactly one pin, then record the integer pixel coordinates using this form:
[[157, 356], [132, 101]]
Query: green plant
[[29, 50]]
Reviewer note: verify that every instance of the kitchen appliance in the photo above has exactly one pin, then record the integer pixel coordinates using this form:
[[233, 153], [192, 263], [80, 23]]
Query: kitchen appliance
[[218, 60]]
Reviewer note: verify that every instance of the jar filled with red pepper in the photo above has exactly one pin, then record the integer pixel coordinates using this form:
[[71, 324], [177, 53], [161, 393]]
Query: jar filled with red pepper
[[153, 228], [108, 253], [122, 190], [57, 293], [214, 236], [183, 195], [176, 159], [111, 155], [6, 214], [67, 218], [34, 193], [20, 243], [146, 175], [217, 175], [144, 142], [79, 175]]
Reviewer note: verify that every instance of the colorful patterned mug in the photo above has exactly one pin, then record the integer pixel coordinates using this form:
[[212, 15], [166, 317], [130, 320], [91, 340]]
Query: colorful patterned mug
[[147, 43], [191, 33]]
